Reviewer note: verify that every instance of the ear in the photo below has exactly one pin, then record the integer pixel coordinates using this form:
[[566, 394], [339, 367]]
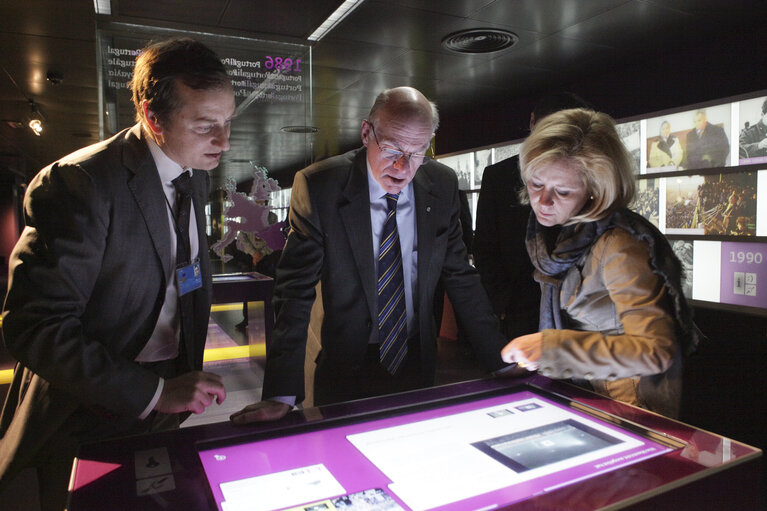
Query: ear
[[365, 132], [151, 119]]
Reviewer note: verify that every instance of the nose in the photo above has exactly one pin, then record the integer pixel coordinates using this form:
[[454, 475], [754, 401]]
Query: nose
[[221, 137], [404, 162], [546, 197]]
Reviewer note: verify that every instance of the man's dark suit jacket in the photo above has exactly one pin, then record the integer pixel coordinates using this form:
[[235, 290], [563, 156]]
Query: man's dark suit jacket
[[331, 242], [87, 281], [499, 249], [708, 150]]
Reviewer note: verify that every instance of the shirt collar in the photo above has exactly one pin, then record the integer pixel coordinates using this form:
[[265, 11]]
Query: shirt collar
[[377, 191], [166, 168]]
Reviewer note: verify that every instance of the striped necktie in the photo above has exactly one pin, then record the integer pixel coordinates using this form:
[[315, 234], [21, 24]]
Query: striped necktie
[[392, 317]]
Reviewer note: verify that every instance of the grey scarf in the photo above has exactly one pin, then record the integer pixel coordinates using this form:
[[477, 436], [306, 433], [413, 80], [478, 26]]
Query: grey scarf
[[554, 250]]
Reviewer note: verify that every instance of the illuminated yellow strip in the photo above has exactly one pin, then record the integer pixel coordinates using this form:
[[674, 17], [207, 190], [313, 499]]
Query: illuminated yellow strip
[[236, 306], [6, 375], [234, 352], [211, 355], [221, 307]]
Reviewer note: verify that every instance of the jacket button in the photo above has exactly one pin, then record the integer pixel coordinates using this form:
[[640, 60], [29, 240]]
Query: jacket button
[[612, 377], [567, 373], [546, 371], [589, 376]]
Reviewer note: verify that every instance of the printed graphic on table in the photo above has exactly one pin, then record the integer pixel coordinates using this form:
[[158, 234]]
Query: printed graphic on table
[[744, 274]]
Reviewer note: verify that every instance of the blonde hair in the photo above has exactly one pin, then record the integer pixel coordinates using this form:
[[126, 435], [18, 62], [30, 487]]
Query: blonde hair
[[589, 142]]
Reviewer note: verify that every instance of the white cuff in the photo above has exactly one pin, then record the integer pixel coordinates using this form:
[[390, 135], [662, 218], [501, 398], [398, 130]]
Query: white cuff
[[154, 400]]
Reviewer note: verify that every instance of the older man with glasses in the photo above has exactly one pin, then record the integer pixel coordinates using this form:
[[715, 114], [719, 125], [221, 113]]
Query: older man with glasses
[[372, 232]]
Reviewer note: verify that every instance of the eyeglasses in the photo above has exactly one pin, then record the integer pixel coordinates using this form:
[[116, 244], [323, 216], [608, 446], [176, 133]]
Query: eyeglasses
[[394, 155]]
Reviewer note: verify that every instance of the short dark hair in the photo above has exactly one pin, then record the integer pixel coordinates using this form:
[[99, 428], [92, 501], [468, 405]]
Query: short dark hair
[[558, 101], [764, 106], [159, 66]]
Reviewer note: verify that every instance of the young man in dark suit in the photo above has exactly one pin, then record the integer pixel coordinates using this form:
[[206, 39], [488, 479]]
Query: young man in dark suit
[[109, 288]]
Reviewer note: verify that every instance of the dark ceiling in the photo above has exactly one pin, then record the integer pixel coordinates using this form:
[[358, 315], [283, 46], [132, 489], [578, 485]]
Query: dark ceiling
[[562, 43]]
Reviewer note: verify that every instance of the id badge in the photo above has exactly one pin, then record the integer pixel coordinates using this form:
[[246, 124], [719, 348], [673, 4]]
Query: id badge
[[189, 278]]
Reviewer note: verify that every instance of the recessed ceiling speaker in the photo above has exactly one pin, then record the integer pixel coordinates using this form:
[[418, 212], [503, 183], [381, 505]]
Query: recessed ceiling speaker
[[479, 40]]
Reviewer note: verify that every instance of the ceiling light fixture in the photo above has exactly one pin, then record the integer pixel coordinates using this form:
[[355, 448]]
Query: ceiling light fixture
[[299, 129], [36, 118], [334, 19], [479, 40]]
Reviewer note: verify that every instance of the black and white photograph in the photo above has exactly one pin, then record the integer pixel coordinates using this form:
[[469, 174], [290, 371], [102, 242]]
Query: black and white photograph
[[647, 200], [684, 251], [482, 159], [463, 165], [631, 137], [752, 143], [505, 151]]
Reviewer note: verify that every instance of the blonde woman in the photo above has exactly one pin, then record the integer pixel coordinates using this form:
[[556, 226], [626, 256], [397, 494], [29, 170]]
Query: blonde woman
[[613, 317]]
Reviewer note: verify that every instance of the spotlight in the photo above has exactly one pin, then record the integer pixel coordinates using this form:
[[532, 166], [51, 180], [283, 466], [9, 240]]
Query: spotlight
[[37, 126], [36, 118]]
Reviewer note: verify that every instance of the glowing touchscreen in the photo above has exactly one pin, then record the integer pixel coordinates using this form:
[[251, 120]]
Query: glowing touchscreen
[[488, 452]]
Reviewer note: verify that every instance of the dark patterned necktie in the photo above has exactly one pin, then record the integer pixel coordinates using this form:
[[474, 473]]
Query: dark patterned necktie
[[183, 186], [392, 317]]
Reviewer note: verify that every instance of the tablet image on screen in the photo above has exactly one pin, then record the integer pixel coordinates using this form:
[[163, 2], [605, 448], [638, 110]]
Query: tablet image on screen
[[545, 445]]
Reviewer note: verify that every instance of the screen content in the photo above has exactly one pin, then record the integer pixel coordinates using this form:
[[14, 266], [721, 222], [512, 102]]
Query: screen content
[[492, 451]]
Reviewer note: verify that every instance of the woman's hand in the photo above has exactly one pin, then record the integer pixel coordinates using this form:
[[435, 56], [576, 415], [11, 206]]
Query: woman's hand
[[525, 350]]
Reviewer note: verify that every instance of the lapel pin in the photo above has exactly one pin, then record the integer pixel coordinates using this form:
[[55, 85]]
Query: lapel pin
[[428, 209]]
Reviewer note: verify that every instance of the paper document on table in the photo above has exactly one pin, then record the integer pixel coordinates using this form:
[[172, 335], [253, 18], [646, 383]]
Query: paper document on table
[[281, 489]]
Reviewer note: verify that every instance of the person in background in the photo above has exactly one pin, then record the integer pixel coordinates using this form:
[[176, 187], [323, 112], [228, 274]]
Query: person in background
[[376, 334], [613, 316], [753, 139], [707, 144], [109, 289], [499, 239], [666, 151]]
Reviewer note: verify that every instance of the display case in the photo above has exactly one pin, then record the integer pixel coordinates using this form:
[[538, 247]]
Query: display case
[[502, 443]]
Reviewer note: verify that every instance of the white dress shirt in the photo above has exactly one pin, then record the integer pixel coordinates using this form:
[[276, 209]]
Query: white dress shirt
[[408, 239], [164, 341]]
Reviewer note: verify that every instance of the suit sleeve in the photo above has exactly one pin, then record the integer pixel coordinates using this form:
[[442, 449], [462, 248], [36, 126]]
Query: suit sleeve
[[499, 240], [53, 271], [487, 246], [468, 297], [648, 343], [298, 273]]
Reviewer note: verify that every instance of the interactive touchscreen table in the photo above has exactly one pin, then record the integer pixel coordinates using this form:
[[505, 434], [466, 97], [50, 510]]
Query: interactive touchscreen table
[[529, 443]]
